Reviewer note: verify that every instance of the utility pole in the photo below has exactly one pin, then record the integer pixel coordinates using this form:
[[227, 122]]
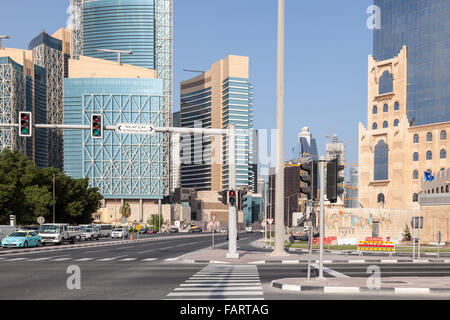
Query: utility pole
[[279, 180]]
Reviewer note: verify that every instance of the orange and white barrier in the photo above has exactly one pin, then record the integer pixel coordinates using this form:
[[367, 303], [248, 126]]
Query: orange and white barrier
[[376, 246]]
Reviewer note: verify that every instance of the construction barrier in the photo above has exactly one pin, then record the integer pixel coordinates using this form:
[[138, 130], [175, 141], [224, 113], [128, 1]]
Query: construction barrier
[[376, 246]]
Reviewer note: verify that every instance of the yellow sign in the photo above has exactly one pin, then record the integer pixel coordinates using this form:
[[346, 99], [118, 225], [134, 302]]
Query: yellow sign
[[138, 227]]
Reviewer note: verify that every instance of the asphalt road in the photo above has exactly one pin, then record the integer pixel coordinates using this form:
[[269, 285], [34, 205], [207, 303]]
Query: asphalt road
[[152, 270]]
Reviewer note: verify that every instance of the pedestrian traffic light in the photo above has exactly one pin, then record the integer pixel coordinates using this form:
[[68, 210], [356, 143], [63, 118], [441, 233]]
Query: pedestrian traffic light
[[334, 180], [96, 126], [25, 124], [310, 179], [241, 197], [232, 197], [223, 196]]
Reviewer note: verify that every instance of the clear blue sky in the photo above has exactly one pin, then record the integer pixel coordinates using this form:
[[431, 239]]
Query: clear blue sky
[[327, 44]]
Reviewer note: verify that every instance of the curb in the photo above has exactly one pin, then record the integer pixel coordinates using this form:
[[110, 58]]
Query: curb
[[330, 289], [316, 261]]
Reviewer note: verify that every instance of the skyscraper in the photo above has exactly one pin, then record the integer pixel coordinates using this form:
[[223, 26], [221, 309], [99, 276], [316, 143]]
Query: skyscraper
[[144, 27], [218, 98], [423, 27]]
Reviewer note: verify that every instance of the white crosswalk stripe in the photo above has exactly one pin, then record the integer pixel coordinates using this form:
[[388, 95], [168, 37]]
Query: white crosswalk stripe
[[221, 282]]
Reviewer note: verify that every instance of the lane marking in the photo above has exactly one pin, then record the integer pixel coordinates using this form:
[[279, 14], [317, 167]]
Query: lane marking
[[216, 294], [84, 259], [222, 288], [334, 273]]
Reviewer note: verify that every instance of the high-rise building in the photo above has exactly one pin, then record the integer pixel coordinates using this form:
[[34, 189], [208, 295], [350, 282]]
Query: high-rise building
[[123, 166], [307, 146], [23, 88], [218, 98], [143, 27], [52, 54], [408, 103], [351, 199]]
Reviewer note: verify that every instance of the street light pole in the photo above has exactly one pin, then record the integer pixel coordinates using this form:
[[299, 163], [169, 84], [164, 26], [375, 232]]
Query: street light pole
[[53, 198], [1, 38], [279, 180]]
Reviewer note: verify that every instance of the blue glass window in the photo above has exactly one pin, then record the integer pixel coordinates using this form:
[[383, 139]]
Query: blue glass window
[[429, 155], [429, 136], [375, 110], [386, 83], [385, 124], [374, 126], [381, 164], [396, 106], [415, 174], [415, 197], [396, 122], [416, 156], [385, 108], [443, 135], [443, 154], [416, 138]]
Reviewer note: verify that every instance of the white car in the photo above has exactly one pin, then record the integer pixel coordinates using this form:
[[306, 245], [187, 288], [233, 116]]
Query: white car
[[248, 229], [90, 234], [119, 233]]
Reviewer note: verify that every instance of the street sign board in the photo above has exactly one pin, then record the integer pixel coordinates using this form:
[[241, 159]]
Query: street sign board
[[123, 220], [270, 221], [213, 218], [135, 128], [138, 227], [417, 222], [40, 220]]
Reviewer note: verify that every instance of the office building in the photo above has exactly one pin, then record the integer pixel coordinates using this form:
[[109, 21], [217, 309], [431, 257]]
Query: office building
[[142, 27], [52, 54], [408, 104], [124, 167], [23, 88], [218, 98]]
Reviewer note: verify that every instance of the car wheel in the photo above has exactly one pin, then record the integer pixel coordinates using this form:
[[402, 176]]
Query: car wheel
[[39, 243], [25, 244]]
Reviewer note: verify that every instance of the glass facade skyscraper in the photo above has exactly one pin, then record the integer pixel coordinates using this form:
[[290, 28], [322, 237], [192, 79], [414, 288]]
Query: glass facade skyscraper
[[120, 25], [423, 26]]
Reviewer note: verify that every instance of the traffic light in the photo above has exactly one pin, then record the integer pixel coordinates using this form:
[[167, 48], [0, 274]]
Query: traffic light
[[223, 196], [232, 197], [310, 178], [25, 124], [96, 126], [241, 197], [334, 180]]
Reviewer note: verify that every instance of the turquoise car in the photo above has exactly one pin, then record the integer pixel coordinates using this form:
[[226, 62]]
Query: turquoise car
[[21, 239]]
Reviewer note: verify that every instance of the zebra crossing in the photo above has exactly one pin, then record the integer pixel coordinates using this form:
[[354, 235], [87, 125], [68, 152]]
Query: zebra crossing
[[221, 282], [87, 259]]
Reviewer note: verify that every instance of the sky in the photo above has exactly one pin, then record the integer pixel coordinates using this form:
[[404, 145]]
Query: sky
[[327, 47]]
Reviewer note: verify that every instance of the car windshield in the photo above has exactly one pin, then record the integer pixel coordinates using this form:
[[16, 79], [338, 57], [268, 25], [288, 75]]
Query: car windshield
[[18, 234], [88, 230], [49, 229], [117, 230]]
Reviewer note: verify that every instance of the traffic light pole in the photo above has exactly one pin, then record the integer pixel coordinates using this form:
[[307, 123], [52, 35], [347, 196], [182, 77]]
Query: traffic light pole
[[322, 192], [232, 210]]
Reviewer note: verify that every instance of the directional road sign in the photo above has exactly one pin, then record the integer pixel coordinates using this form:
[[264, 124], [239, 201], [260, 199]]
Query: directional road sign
[[135, 128]]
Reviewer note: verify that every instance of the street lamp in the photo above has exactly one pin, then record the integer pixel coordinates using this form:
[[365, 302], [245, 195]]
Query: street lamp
[[1, 38]]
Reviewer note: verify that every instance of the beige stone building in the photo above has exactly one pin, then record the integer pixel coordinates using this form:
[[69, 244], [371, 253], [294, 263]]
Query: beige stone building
[[393, 153]]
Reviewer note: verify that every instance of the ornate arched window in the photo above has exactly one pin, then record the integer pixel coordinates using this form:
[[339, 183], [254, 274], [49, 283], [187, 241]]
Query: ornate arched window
[[386, 83], [415, 174], [375, 110], [416, 138], [416, 156], [415, 197], [380, 198], [397, 106], [381, 161], [429, 136], [429, 155], [396, 122], [443, 135], [385, 124], [443, 154], [374, 126], [385, 108]]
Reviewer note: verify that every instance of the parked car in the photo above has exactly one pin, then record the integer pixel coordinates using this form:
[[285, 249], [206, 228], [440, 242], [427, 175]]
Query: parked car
[[22, 239], [143, 231], [174, 230], [152, 231], [120, 233], [56, 233], [75, 232], [248, 229], [90, 234], [195, 229]]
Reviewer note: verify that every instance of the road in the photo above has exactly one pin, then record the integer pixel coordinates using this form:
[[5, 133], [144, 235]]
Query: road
[[154, 270]]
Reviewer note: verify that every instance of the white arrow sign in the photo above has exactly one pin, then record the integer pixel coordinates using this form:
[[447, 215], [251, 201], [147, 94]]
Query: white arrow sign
[[135, 128]]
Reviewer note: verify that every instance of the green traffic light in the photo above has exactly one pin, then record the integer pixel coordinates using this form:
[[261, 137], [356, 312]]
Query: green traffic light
[[96, 133], [24, 130]]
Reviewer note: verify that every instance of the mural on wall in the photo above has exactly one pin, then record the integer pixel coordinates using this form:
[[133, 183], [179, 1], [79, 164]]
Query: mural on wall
[[346, 223]]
